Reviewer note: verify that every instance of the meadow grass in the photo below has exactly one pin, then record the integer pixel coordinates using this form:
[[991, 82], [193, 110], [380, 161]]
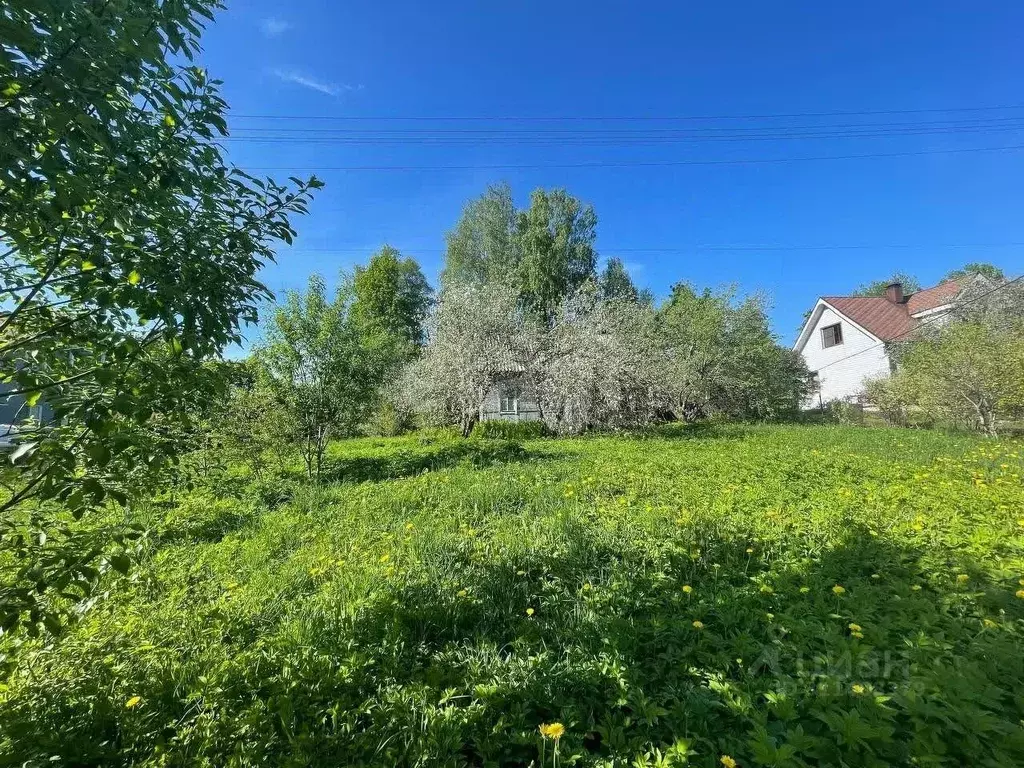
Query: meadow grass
[[735, 595]]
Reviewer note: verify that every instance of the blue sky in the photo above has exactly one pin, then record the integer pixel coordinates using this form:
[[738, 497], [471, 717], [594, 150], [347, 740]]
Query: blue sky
[[795, 229]]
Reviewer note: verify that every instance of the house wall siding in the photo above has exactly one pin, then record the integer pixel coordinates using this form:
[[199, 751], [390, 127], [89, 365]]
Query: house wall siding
[[845, 375], [528, 408]]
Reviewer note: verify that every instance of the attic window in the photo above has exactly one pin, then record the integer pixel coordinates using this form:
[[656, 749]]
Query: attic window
[[832, 335]]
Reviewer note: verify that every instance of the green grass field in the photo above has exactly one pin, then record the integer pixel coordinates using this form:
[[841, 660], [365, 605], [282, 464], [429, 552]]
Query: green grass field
[[758, 596]]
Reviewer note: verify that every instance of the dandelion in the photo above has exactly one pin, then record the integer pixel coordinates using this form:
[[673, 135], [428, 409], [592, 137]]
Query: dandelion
[[858, 688], [687, 588], [462, 593], [1020, 593], [838, 590], [989, 623], [962, 578], [587, 587], [855, 627], [529, 611], [409, 526], [385, 557], [552, 731], [858, 635], [133, 702], [698, 624], [750, 551], [728, 762]]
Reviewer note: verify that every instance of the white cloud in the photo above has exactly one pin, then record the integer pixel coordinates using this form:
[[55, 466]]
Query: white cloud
[[274, 27], [634, 268], [313, 83]]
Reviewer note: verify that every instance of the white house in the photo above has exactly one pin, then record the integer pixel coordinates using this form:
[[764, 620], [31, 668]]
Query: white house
[[845, 341]]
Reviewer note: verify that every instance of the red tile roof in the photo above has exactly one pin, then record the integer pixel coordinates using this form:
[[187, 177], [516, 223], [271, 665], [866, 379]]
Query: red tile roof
[[888, 320]]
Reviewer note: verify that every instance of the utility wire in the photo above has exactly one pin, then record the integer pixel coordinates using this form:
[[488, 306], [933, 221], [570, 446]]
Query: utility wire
[[634, 164], [623, 118], [708, 247]]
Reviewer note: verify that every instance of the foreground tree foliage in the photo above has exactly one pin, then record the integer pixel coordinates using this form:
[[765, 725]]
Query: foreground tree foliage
[[128, 255]]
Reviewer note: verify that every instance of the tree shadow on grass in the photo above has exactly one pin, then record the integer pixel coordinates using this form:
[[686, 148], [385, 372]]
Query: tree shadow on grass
[[408, 463], [780, 668], [860, 655], [701, 430]]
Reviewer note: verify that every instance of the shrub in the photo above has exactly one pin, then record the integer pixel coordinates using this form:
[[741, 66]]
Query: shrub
[[510, 430]]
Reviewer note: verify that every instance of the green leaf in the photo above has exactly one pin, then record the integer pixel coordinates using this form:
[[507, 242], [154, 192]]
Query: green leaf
[[120, 563]]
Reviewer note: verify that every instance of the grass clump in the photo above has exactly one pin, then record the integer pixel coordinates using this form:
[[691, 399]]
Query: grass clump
[[777, 596]]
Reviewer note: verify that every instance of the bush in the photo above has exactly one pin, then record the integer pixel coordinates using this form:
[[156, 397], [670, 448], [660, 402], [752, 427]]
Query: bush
[[844, 412], [510, 430], [390, 420]]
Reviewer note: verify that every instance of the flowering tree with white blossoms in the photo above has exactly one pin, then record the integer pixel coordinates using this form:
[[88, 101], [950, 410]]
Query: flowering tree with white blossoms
[[477, 334]]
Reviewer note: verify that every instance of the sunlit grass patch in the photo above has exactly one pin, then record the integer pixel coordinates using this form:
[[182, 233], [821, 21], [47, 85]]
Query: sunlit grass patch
[[774, 595]]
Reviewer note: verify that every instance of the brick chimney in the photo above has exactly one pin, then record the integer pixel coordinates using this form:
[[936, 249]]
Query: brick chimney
[[894, 293]]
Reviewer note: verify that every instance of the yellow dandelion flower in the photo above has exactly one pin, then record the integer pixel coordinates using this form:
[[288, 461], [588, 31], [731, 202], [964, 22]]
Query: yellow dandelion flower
[[750, 550], [385, 557], [687, 588], [728, 762], [838, 590], [962, 578], [133, 702], [698, 624], [858, 635], [552, 731], [858, 688], [529, 611], [587, 587], [1020, 593], [855, 627], [989, 623], [462, 593]]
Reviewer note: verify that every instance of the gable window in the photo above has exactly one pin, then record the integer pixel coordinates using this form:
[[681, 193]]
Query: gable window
[[508, 402], [832, 335]]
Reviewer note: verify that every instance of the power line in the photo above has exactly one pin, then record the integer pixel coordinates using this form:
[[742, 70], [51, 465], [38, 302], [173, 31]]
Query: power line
[[922, 323], [591, 140], [623, 118], [714, 247], [635, 164], [620, 131]]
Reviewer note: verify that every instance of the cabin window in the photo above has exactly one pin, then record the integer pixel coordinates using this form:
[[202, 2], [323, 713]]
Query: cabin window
[[832, 335], [508, 400]]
